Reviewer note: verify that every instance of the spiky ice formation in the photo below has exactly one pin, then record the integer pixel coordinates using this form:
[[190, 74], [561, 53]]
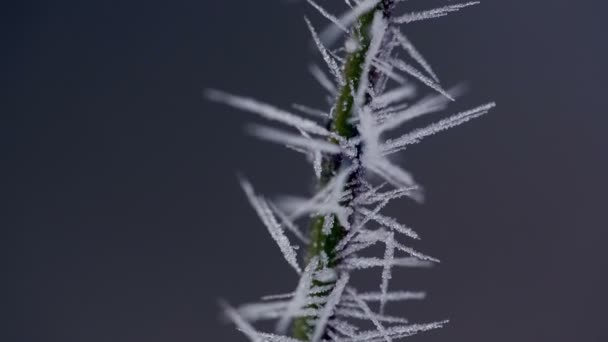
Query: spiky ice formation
[[374, 92]]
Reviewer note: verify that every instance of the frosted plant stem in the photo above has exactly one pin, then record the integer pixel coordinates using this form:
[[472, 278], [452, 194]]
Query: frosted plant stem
[[372, 93], [323, 243]]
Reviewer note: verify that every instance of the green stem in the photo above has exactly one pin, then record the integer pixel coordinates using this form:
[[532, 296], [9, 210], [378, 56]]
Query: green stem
[[353, 69]]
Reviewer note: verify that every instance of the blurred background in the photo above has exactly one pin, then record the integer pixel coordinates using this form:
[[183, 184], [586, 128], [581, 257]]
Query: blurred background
[[123, 219]]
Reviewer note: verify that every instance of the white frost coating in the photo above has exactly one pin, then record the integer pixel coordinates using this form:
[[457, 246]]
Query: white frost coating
[[322, 78], [396, 331], [392, 146], [391, 223], [333, 32], [299, 298], [388, 71], [391, 296], [415, 253], [414, 53], [343, 327], [381, 330], [400, 65], [370, 191], [390, 172], [434, 13], [317, 164], [389, 259], [313, 291], [326, 201], [288, 224], [353, 232], [357, 314], [274, 228], [372, 157], [326, 275], [350, 194], [350, 45], [331, 63], [294, 140], [381, 235], [363, 263], [354, 248], [276, 338], [389, 195], [328, 224], [329, 16], [241, 323], [393, 96], [267, 111], [332, 300], [377, 31], [427, 105], [311, 111]]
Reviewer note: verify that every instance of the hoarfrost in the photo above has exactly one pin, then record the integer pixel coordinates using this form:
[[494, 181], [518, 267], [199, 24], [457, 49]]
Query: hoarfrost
[[274, 228], [267, 111], [430, 14], [299, 297], [351, 198], [328, 309], [331, 63]]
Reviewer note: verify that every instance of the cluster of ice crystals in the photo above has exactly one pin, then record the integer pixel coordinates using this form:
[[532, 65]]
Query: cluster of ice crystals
[[323, 294]]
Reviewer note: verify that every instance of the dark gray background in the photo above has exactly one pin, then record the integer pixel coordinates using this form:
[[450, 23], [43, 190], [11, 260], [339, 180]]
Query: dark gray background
[[123, 220]]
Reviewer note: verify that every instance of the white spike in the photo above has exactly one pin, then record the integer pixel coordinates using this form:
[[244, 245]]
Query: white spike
[[293, 140], [418, 75], [389, 172], [344, 327], [276, 338], [241, 323], [331, 33], [392, 146], [267, 111], [363, 263], [430, 14], [394, 96], [389, 259], [311, 111], [380, 328], [331, 63], [274, 228], [288, 224], [299, 298], [378, 28], [427, 105], [414, 53], [351, 313], [322, 78], [329, 16], [328, 309], [391, 223], [396, 332], [391, 296], [313, 291]]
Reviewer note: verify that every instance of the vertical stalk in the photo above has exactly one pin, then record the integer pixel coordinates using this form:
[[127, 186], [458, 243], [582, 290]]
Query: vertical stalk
[[353, 68]]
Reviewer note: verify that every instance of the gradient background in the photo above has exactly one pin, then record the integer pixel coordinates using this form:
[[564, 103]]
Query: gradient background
[[123, 221]]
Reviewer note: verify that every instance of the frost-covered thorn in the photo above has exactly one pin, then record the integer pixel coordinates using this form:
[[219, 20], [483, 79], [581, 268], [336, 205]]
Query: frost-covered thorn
[[331, 63], [274, 228], [434, 13]]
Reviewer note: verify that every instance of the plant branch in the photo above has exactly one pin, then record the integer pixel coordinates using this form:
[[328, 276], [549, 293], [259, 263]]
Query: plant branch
[[323, 244]]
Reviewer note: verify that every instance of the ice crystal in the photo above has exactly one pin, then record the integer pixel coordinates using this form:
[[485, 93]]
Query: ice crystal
[[357, 179]]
